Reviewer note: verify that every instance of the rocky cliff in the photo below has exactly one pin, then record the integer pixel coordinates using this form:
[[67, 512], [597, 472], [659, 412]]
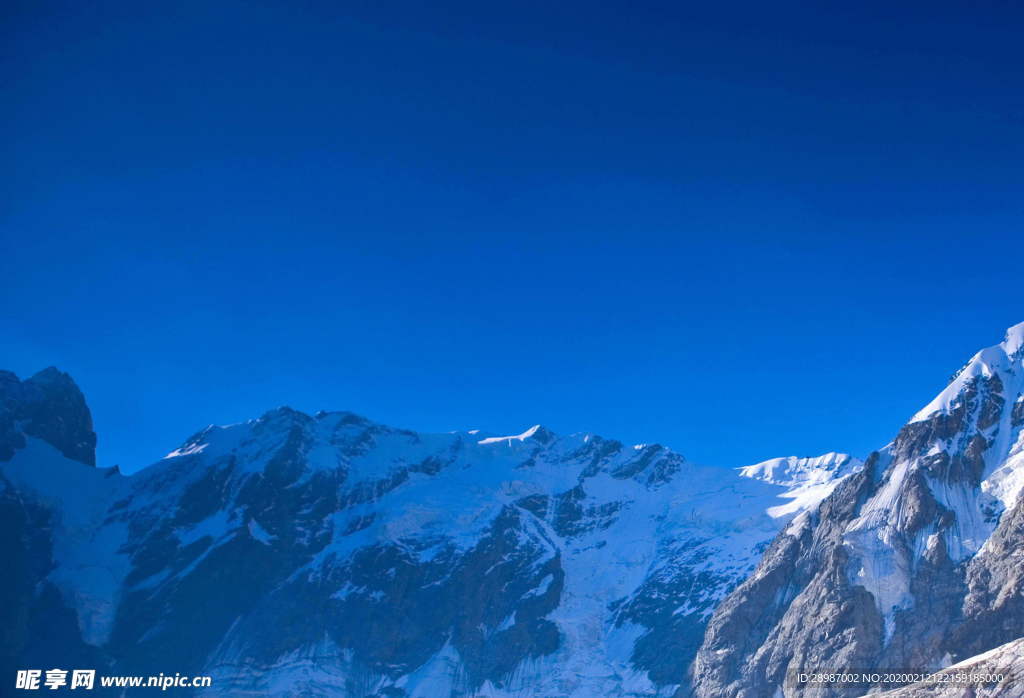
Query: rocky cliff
[[912, 563]]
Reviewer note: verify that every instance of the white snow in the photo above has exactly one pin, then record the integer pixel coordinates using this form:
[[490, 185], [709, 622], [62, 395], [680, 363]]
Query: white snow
[[1007, 480], [807, 481], [797, 472], [509, 439], [883, 564], [187, 450], [999, 360], [260, 533], [708, 523], [89, 570]]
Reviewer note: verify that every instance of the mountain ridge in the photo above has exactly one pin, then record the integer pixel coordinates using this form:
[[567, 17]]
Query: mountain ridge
[[396, 563], [294, 502]]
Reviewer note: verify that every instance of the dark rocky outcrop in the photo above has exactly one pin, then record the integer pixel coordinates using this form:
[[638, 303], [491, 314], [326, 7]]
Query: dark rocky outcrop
[[47, 406], [36, 622]]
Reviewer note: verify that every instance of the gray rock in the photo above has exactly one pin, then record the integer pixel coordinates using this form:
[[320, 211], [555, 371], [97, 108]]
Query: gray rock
[[998, 673], [890, 572]]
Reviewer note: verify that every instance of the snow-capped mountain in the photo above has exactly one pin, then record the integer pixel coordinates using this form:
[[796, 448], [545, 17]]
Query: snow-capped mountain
[[912, 563], [330, 555], [807, 480], [326, 554]]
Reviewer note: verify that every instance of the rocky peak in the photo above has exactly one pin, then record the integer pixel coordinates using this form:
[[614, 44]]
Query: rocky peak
[[907, 563], [1000, 367], [47, 406]]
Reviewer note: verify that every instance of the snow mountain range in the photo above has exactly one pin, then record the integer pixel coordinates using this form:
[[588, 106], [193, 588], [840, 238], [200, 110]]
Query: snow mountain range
[[326, 554]]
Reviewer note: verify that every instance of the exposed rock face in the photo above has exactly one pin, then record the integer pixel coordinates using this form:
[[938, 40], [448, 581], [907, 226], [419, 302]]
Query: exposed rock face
[[994, 608], [1005, 661], [48, 406], [329, 555], [36, 622], [911, 562]]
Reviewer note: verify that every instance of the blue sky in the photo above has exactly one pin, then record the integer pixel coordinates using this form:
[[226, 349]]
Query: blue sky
[[742, 231]]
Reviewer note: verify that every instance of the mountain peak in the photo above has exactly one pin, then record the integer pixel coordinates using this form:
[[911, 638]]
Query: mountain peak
[[1014, 339], [807, 480], [1001, 361], [47, 406], [793, 471], [284, 414], [51, 375], [537, 432]]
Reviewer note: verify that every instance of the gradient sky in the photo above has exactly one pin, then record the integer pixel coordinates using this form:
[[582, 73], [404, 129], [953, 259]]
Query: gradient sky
[[742, 230]]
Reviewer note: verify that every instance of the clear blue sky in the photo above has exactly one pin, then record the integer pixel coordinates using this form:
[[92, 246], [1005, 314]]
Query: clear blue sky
[[742, 230]]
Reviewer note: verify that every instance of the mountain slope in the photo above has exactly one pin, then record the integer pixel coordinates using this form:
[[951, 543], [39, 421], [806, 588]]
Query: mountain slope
[[910, 563], [999, 673], [327, 554], [50, 507]]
